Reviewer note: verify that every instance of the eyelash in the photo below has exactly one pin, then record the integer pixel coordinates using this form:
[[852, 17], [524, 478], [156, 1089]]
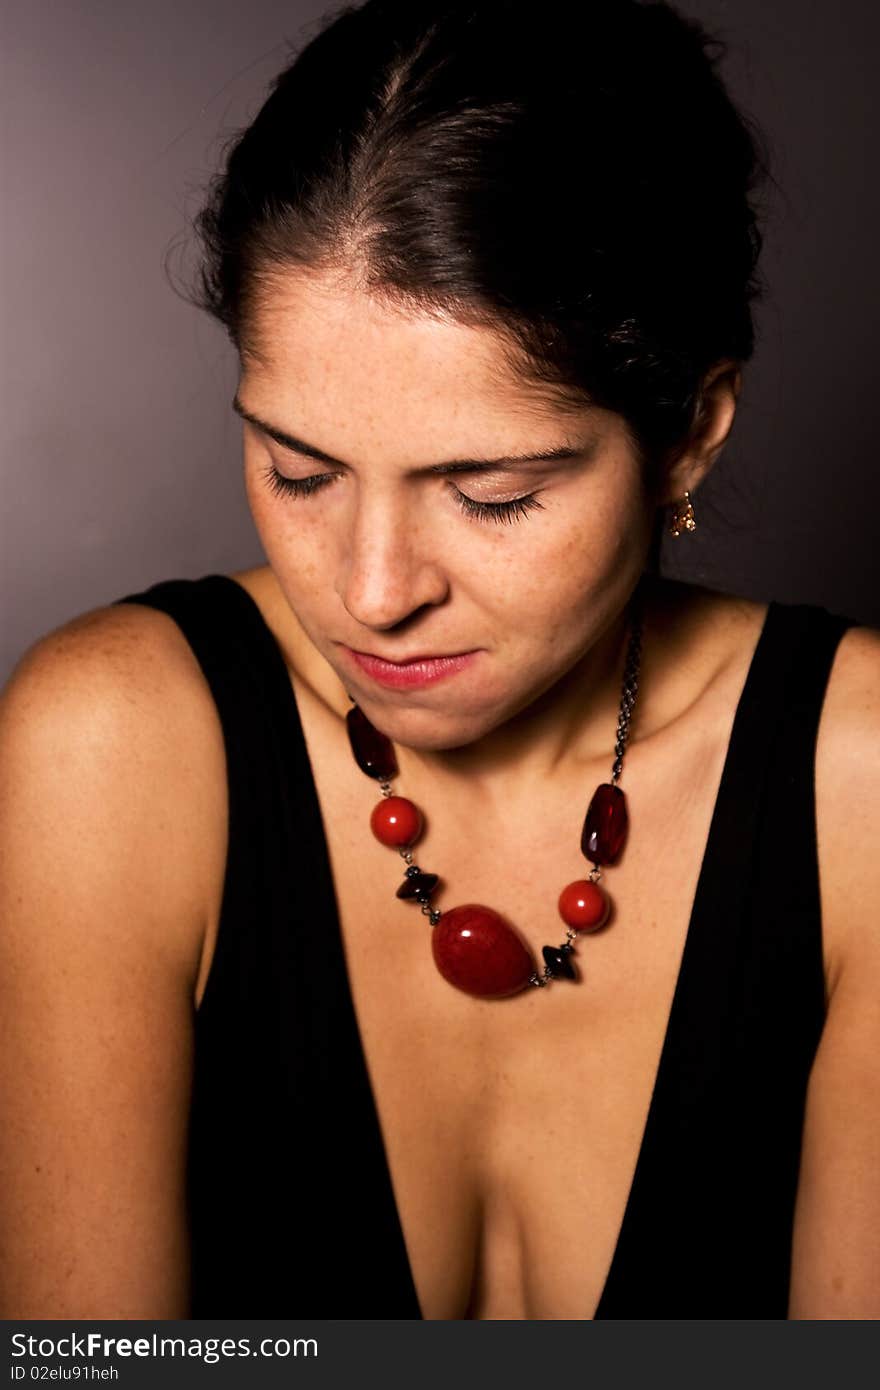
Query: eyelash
[[514, 510]]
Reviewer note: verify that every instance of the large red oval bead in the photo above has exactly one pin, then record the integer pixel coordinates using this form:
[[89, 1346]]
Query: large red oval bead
[[396, 821], [605, 825], [373, 751], [476, 950], [584, 905]]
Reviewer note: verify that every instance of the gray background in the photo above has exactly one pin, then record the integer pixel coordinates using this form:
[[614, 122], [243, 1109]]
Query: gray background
[[121, 457]]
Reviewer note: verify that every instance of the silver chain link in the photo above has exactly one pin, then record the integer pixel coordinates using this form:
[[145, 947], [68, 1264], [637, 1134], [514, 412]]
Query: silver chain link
[[631, 671]]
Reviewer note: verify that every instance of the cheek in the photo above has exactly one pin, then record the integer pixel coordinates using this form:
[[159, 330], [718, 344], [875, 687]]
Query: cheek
[[559, 596], [552, 584], [295, 556]]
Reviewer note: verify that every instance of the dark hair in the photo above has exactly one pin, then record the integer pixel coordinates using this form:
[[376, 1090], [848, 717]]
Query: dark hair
[[576, 178]]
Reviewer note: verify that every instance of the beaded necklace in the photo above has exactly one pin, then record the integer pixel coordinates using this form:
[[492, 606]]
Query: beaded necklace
[[474, 947]]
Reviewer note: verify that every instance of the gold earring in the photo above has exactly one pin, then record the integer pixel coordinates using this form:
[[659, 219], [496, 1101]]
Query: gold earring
[[682, 517]]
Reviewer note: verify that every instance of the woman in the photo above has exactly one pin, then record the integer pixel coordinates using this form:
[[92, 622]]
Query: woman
[[490, 285]]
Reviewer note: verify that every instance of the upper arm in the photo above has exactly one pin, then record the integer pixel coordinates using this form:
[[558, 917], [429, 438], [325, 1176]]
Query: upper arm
[[836, 1245], [101, 913]]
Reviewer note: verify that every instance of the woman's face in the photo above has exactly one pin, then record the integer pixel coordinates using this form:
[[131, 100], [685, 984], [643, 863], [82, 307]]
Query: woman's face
[[525, 563]]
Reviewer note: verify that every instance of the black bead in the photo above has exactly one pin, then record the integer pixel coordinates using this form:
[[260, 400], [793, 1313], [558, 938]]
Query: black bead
[[413, 871], [557, 962], [373, 752], [418, 886]]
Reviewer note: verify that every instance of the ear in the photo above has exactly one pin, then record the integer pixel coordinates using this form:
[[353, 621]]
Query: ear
[[713, 420]]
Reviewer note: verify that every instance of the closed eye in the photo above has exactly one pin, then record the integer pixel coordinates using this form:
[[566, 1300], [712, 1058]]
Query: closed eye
[[295, 487], [513, 510]]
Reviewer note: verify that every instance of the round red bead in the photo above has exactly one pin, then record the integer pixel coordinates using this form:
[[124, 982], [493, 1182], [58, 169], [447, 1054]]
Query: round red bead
[[396, 822], [476, 950], [584, 905]]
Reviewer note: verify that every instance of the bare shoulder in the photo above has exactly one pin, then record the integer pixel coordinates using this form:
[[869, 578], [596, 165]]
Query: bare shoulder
[[128, 647], [836, 1245], [847, 781], [110, 716], [852, 698], [112, 826]]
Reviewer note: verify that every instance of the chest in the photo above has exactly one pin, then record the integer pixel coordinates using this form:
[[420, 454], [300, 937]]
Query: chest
[[512, 1128]]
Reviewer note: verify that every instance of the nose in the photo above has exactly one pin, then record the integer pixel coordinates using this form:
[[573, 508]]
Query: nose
[[390, 561]]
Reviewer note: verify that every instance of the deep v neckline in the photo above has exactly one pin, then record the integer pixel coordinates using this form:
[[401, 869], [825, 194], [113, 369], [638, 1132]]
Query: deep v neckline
[[700, 916]]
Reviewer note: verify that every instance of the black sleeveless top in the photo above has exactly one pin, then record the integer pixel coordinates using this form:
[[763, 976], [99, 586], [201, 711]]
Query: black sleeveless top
[[291, 1203]]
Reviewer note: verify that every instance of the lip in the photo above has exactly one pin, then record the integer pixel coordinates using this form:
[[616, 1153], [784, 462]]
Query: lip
[[408, 675]]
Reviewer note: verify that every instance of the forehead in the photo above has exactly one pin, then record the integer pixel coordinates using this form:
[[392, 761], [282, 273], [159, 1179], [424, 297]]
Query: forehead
[[322, 353]]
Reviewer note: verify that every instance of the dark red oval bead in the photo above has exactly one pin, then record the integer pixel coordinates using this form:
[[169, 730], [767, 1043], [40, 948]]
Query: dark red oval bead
[[476, 950], [373, 752], [605, 825], [396, 821]]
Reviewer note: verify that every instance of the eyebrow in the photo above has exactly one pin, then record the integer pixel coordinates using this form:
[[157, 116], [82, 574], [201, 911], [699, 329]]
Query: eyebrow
[[290, 441]]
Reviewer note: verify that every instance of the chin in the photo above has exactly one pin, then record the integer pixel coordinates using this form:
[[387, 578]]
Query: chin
[[432, 730], [440, 730]]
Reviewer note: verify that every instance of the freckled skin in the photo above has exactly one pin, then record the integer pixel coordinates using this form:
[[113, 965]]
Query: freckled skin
[[386, 561]]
